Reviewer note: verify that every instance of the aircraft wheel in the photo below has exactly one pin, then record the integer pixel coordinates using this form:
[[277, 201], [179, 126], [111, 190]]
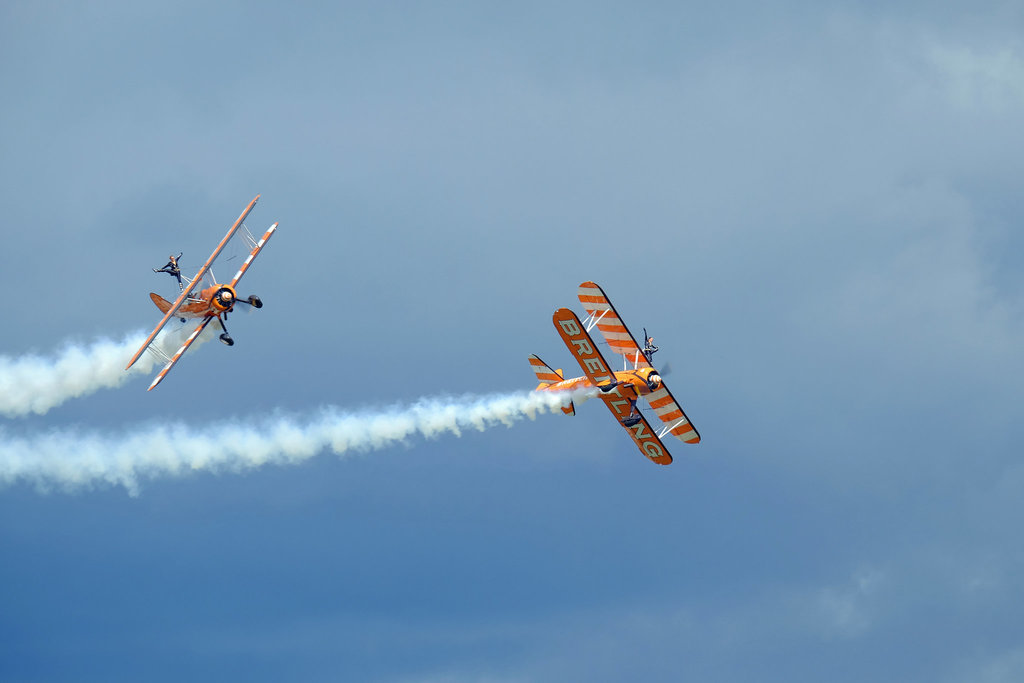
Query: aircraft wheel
[[255, 301], [226, 338]]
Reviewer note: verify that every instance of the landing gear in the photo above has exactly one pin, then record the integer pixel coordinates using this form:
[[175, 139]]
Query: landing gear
[[255, 301], [634, 416], [631, 421], [225, 337]]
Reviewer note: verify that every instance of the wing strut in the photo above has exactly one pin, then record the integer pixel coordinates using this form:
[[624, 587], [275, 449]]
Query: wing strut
[[602, 313], [184, 347], [671, 414], [583, 349], [252, 254], [620, 399], [185, 292]]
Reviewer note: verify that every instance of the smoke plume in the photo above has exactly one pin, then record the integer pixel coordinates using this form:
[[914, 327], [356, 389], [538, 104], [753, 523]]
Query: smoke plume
[[73, 459], [35, 384]]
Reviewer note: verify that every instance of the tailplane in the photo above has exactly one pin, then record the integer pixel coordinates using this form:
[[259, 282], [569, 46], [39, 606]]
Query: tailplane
[[163, 304], [545, 375]]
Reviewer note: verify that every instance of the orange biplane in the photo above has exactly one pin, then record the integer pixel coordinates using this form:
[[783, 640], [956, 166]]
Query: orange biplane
[[213, 301], [619, 390]]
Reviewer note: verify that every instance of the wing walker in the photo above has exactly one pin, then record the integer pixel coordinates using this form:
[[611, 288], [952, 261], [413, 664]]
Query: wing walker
[[212, 302], [619, 390]]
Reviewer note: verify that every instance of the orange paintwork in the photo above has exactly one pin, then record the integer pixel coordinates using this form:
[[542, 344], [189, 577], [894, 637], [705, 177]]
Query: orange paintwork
[[620, 339], [187, 291], [621, 398], [181, 351], [619, 390], [198, 306], [215, 301], [618, 401], [590, 359], [638, 378]]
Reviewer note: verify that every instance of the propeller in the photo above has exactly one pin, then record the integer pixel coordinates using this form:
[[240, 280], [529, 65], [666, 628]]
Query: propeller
[[253, 301]]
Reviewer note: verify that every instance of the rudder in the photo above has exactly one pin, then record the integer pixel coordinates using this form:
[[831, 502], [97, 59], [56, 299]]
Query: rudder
[[163, 304], [545, 375]]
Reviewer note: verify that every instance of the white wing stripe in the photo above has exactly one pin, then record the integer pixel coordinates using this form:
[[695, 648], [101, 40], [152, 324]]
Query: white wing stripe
[[595, 305], [667, 408]]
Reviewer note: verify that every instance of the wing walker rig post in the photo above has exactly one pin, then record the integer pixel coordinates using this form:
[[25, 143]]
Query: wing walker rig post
[[213, 301], [619, 390]]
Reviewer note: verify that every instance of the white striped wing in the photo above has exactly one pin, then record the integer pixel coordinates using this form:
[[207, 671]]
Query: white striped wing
[[180, 352], [252, 254], [615, 332], [192, 283], [669, 412], [545, 375]]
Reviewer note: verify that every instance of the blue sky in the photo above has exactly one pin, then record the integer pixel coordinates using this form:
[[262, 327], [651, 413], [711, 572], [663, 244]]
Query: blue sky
[[812, 206]]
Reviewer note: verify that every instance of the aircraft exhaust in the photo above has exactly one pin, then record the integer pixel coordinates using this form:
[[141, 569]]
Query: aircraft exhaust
[[36, 384], [72, 459]]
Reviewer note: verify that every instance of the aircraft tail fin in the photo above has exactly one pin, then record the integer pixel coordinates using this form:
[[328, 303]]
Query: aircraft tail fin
[[163, 304], [545, 375]]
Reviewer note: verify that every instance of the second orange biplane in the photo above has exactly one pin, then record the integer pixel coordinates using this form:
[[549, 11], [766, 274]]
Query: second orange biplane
[[214, 301], [619, 390]]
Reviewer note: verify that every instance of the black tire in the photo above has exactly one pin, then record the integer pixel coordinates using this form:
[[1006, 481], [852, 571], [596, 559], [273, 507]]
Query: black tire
[[255, 301], [226, 338]]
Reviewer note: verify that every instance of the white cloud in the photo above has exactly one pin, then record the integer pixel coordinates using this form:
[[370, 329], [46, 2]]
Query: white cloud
[[1003, 667], [980, 79], [846, 610]]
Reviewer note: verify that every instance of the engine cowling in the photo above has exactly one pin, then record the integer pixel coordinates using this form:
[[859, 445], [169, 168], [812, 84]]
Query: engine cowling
[[224, 298]]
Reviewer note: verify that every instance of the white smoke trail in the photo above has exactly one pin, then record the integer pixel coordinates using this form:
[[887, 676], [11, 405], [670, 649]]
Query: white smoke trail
[[72, 459], [35, 384]]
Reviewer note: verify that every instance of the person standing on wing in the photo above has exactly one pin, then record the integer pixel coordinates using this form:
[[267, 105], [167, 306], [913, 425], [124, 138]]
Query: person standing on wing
[[172, 269], [649, 348]]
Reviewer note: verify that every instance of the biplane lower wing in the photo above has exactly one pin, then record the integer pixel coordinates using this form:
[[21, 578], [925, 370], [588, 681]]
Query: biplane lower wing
[[188, 290], [621, 399], [180, 352], [583, 349]]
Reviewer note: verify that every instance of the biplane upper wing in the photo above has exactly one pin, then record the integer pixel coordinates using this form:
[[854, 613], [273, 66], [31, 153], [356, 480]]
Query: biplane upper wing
[[619, 338], [668, 410], [180, 352], [615, 332], [252, 254], [185, 292], [620, 399]]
